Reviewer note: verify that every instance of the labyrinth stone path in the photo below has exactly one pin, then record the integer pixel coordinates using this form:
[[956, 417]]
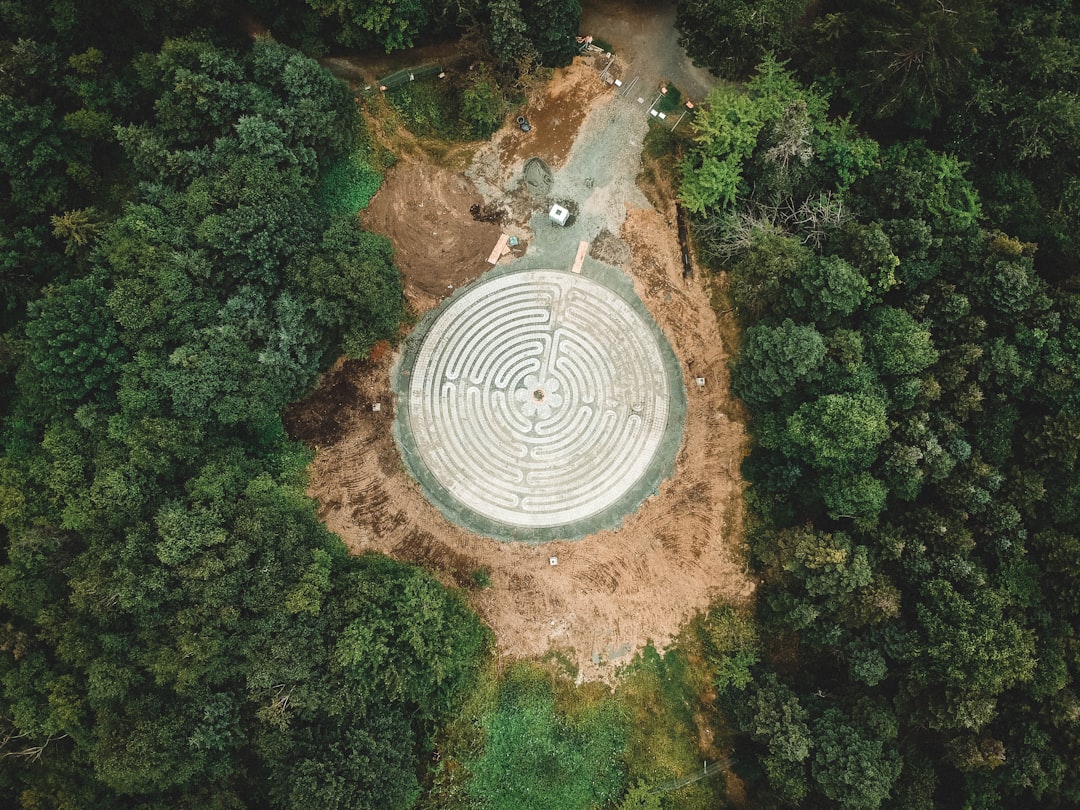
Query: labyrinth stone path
[[539, 404]]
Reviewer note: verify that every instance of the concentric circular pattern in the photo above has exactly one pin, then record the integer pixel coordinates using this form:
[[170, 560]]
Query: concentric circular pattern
[[538, 399]]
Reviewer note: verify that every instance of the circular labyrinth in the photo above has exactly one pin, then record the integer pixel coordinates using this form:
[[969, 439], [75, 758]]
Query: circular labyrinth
[[542, 401]]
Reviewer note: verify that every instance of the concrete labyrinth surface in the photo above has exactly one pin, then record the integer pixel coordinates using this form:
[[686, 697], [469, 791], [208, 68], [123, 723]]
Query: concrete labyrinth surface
[[539, 404]]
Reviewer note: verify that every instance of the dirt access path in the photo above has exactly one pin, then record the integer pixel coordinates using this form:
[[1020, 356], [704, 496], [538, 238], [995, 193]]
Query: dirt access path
[[613, 591]]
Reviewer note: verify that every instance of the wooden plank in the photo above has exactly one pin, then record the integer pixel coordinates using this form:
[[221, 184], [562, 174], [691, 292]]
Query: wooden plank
[[579, 260], [499, 249]]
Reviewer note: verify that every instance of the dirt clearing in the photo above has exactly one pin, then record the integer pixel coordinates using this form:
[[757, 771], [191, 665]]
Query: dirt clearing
[[425, 210], [554, 115], [611, 592]]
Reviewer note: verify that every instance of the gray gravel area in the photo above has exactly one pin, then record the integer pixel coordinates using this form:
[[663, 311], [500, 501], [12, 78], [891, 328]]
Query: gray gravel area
[[644, 38], [599, 180]]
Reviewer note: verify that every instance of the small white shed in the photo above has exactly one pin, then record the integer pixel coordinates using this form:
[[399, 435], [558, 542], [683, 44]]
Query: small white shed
[[558, 215]]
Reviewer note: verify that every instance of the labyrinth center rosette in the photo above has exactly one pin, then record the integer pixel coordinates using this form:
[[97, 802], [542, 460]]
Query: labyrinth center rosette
[[537, 400]]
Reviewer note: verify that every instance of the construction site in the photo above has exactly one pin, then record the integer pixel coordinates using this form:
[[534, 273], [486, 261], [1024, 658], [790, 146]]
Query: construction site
[[599, 583]]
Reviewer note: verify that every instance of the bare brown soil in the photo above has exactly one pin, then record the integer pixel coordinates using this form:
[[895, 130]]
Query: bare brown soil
[[438, 246], [610, 592], [555, 116]]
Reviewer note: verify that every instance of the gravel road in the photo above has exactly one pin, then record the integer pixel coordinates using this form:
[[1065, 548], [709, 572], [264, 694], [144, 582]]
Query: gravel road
[[644, 38]]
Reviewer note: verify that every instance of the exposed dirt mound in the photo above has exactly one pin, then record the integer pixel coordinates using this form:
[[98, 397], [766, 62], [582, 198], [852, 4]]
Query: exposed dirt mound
[[425, 210], [324, 418], [428, 211], [610, 249]]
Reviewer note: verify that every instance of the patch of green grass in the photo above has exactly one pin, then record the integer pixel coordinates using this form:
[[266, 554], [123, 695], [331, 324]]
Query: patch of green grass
[[669, 698], [671, 101], [540, 755], [427, 108], [660, 141], [531, 740]]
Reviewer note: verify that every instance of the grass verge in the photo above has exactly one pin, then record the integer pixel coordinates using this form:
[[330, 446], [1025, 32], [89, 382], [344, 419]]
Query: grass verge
[[674, 727], [531, 738]]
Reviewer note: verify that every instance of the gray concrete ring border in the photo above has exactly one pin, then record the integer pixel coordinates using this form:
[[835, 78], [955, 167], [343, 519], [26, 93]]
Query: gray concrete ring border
[[537, 404]]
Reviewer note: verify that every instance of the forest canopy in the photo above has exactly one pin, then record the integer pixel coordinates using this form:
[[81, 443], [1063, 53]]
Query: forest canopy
[[888, 196], [911, 369], [179, 628]]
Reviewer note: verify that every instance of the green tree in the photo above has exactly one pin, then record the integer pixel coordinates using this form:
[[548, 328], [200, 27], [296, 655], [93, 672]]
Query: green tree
[[868, 249], [727, 131], [860, 496], [773, 361], [32, 156], [355, 285], [773, 717], [967, 651], [551, 26], [826, 568], [76, 229], [388, 23], [73, 344], [732, 647], [1009, 288], [510, 41], [853, 765], [915, 182], [898, 61], [730, 36], [838, 431], [898, 344], [346, 763], [482, 106], [765, 269], [827, 287], [1059, 554]]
